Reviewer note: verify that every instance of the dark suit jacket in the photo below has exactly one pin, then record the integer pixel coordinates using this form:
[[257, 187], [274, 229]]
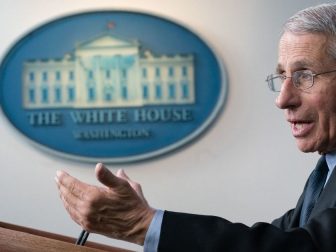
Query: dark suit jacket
[[188, 232]]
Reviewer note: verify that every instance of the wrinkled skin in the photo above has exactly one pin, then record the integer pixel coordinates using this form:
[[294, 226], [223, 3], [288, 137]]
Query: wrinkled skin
[[311, 113], [117, 209]]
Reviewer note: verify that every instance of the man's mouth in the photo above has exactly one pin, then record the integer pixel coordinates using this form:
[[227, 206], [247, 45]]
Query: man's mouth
[[301, 128]]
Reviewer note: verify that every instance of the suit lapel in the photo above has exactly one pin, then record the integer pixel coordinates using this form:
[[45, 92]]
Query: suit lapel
[[322, 201], [327, 198], [295, 220]]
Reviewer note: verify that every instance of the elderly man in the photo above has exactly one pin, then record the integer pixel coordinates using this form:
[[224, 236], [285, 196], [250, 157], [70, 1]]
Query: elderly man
[[306, 81]]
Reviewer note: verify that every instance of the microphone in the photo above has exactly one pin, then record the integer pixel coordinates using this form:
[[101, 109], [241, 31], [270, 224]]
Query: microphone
[[82, 238]]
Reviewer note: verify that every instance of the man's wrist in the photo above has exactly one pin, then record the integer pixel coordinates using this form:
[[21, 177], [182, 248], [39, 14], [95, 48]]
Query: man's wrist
[[140, 230]]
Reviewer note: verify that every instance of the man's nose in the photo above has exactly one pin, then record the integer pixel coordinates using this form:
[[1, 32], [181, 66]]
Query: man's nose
[[289, 95]]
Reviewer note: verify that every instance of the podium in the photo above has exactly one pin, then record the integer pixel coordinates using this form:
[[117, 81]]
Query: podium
[[14, 238]]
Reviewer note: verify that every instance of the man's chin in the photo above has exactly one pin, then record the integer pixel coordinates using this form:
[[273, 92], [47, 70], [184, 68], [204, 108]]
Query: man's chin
[[306, 148]]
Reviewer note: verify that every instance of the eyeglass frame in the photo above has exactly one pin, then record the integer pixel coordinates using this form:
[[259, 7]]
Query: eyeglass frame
[[283, 77]]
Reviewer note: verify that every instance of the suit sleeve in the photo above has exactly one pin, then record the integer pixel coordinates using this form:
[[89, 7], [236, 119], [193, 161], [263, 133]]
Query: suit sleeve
[[187, 232]]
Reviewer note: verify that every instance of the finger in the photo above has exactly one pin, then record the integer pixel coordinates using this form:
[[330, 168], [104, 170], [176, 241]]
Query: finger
[[77, 209], [73, 212], [70, 199], [106, 177], [70, 184], [121, 174], [136, 186]]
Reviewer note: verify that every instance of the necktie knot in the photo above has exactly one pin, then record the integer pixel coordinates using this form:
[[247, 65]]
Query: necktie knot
[[313, 190]]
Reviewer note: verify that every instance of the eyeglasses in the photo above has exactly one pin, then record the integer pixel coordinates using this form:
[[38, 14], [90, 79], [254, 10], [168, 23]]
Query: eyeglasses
[[302, 79]]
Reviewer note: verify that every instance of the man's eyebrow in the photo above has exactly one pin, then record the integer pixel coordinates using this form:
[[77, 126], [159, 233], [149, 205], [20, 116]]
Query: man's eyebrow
[[279, 69], [303, 64], [299, 65]]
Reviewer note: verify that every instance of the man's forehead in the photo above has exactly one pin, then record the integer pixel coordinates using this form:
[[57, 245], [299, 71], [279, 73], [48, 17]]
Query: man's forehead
[[301, 51]]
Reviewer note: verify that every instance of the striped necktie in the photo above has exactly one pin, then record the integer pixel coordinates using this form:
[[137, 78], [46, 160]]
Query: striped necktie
[[314, 188]]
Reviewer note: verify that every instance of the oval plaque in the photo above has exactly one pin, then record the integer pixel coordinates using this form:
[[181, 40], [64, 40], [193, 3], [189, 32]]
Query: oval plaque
[[112, 86]]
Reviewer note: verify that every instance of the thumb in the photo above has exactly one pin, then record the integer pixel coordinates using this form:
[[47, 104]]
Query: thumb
[[105, 176]]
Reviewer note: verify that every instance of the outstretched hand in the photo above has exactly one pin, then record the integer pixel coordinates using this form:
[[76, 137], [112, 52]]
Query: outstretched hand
[[118, 209]]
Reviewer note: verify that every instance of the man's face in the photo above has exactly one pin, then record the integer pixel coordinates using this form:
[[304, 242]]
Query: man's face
[[311, 112]]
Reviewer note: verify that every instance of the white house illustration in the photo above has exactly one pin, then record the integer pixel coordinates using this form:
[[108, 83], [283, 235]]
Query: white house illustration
[[108, 71]]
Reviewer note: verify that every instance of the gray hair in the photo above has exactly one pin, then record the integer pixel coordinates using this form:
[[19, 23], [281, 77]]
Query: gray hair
[[317, 19]]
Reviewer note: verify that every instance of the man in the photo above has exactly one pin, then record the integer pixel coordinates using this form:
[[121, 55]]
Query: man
[[306, 82]]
